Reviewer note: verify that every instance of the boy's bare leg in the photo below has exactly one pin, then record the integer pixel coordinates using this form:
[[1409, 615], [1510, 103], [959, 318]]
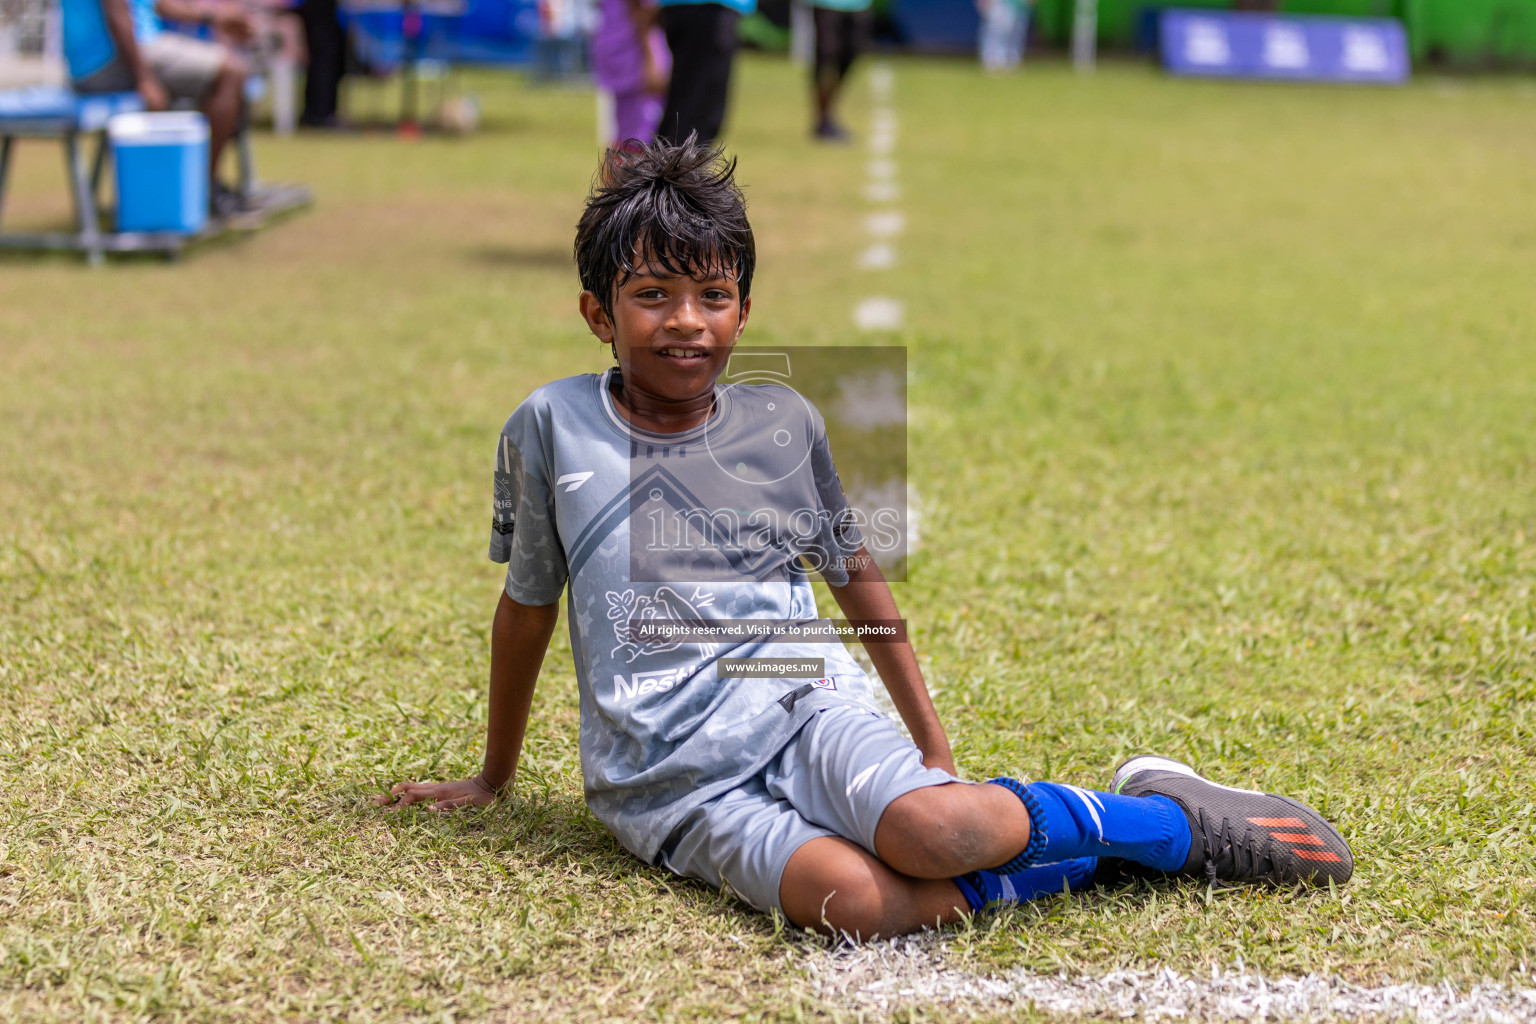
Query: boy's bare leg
[[924, 839], [944, 831], [837, 887]]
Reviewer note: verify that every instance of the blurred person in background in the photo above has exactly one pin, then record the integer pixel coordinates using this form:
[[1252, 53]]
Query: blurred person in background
[[1004, 29], [842, 32], [702, 40], [122, 46], [563, 25], [631, 63], [326, 46]]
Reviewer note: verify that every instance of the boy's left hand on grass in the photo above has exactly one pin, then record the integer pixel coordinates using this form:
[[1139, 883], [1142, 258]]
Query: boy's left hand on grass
[[442, 796]]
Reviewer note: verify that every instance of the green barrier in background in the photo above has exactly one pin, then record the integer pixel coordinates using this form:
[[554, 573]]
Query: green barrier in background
[[1470, 32]]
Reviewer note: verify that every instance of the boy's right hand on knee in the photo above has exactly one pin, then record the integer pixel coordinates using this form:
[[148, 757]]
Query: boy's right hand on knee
[[440, 796]]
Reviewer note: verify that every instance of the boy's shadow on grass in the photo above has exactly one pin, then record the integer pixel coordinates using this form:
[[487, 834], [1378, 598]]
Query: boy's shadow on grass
[[551, 834]]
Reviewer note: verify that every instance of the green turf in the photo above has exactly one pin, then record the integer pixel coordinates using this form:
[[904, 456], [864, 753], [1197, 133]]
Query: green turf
[[1222, 408]]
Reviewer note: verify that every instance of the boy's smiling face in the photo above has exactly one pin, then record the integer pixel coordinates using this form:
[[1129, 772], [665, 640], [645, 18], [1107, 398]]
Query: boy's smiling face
[[672, 335]]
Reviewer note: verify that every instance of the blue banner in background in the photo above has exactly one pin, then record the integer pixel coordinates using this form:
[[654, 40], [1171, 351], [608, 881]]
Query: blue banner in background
[[453, 31], [1238, 45], [941, 26]]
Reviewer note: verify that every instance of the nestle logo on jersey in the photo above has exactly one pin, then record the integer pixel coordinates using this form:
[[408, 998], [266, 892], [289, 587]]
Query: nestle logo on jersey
[[641, 683]]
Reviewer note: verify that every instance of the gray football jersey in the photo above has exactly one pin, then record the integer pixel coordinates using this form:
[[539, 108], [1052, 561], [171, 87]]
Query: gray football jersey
[[713, 526]]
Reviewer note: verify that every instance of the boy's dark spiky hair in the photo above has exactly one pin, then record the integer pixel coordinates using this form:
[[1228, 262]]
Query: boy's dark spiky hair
[[668, 207]]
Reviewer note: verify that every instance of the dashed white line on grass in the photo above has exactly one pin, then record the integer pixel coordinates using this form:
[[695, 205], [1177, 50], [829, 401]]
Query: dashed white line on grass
[[882, 135], [878, 313], [882, 81], [885, 224], [878, 256]]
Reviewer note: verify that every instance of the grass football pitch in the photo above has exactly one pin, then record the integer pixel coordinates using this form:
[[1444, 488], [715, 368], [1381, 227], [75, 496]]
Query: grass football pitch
[[1222, 407]]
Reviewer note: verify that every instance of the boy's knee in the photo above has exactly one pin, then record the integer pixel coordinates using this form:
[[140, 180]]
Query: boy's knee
[[933, 833], [838, 895], [851, 905]]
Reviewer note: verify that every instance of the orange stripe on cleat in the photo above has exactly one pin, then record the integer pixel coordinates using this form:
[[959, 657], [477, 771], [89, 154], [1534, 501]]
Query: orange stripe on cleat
[[1298, 837], [1278, 822], [1317, 855]]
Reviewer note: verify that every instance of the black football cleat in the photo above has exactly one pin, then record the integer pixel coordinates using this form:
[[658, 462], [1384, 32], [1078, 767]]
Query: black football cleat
[[1242, 836]]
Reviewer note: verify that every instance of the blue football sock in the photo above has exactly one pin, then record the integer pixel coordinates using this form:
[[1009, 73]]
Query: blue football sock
[[1066, 822], [982, 888]]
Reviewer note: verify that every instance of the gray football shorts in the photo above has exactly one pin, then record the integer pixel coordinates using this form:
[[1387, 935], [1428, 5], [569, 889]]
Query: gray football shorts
[[836, 777], [186, 67]]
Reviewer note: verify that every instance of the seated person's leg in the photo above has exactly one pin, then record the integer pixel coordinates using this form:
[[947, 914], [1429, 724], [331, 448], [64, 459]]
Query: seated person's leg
[[224, 108], [115, 77], [853, 772], [206, 74], [1162, 815], [767, 852], [944, 831], [834, 886], [1008, 827], [847, 831], [741, 841]]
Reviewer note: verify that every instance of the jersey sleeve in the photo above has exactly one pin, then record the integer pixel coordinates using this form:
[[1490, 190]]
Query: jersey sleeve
[[524, 532], [839, 536]]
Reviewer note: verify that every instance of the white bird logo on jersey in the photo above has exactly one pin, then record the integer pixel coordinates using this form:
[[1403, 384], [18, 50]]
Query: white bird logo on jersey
[[665, 603]]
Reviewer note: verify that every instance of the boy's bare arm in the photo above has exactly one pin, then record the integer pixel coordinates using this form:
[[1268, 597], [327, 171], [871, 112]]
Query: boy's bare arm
[[867, 597], [519, 638]]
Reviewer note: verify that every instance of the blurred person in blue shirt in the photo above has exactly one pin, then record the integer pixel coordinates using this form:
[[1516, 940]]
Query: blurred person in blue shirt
[[122, 46], [702, 40]]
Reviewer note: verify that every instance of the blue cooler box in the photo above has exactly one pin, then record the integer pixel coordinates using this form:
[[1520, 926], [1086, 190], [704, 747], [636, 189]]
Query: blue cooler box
[[162, 171]]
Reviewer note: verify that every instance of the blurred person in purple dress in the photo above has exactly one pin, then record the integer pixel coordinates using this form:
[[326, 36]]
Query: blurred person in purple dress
[[631, 63]]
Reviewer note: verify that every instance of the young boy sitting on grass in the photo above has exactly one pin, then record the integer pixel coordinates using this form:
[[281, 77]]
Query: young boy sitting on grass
[[794, 792]]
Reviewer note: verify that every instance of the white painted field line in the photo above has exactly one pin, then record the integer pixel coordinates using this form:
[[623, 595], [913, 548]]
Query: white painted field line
[[882, 81], [878, 313], [884, 977], [882, 133], [885, 224], [878, 256]]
